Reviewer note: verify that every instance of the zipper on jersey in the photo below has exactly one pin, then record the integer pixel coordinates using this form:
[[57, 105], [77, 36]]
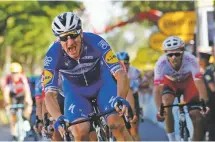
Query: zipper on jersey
[[84, 76]]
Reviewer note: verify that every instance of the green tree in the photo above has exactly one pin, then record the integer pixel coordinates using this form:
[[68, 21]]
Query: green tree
[[26, 27], [135, 7]]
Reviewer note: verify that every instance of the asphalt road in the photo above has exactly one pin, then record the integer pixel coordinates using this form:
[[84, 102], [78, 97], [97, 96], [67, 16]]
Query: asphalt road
[[148, 132]]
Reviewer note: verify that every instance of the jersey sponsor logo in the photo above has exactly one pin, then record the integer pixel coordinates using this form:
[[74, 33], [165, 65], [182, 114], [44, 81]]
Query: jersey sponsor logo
[[116, 68], [47, 77], [110, 58], [81, 68], [71, 108], [103, 44], [111, 101], [87, 57], [47, 61]]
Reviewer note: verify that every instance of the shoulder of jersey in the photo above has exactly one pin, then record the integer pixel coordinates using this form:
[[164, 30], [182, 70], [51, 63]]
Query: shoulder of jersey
[[134, 68], [91, 36], [54, 46], [188, 54], [161, 58], [96, 40]]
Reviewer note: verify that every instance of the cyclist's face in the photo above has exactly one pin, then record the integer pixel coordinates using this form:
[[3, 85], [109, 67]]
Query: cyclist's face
[[15, 76], [175, 58], [72, 44], [127, 66]]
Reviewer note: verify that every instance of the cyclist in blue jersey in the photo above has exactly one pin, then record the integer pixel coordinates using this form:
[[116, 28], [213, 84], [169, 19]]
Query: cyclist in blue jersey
[[41, 109], [39, 97], [85, 63], [136, 83]]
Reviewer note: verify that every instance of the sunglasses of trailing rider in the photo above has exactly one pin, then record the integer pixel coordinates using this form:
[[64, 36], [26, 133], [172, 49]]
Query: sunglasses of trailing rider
[[177, 54], [73, 35]]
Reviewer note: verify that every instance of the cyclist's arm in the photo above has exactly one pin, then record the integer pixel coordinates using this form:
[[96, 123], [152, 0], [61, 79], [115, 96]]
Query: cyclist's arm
[[52, 104], [122, 83], [209, 78], [158, 83], [157, 95], [6, 94], [202, 89], [211, 86], [39, 104], [130, 99], [198, 78], [28, 98]]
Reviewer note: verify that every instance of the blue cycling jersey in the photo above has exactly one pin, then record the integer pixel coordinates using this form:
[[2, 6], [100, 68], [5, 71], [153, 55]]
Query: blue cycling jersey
[[82, 73]]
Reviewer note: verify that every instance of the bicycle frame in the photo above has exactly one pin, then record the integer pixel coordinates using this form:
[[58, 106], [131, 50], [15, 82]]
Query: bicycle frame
[[20, 132], [99, 124], [184, 132]]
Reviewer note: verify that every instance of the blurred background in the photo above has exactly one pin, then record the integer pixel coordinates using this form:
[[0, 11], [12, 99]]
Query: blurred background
[[138, 27]]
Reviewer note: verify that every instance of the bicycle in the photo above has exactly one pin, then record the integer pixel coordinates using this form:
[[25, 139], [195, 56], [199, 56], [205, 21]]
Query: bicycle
[[184, 132], [20, 127], [47, 129], [98, 123]]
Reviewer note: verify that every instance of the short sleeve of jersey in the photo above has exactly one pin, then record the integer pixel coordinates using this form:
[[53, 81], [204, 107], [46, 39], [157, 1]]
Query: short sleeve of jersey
[[51, 63], [159, 71], [38, 87], [194, 66], [108, 57]]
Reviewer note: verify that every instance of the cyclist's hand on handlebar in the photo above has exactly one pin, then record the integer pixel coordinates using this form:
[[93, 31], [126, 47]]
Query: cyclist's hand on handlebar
[[58, 126], [134, 119], [62, 131], [159, 117], [205, 112], [121, 106], [38, 128], [122, 110]]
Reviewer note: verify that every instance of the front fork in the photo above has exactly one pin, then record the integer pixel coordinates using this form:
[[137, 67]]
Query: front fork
[[183, 124]]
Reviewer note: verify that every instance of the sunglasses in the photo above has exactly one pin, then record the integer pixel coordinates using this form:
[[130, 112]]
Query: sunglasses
[[174, 54], [73, 35]]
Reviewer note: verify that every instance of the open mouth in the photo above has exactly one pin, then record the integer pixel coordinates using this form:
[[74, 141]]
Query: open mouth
[[72, 50]]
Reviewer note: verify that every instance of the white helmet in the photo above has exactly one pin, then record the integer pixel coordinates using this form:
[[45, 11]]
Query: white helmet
[[172, 43], [66, 22]]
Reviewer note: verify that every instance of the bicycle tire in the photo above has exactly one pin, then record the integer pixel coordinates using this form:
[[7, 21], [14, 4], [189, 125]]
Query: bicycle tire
[[186, 134], [103, 136], [20, 132]]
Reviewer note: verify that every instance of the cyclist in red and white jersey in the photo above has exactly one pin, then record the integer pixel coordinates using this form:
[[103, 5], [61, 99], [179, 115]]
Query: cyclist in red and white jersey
[[17, 91], [178, 69]]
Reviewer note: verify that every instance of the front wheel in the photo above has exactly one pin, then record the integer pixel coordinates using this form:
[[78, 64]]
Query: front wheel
[[186, 134], [102, 136], [20, 132]]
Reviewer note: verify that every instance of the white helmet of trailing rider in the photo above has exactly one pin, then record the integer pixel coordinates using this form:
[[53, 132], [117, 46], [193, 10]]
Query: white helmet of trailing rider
[[172, 43], [66, 22]]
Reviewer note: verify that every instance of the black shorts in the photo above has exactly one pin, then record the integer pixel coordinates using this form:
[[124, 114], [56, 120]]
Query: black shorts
[[60, 99], [17, 99], [168, 90]]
